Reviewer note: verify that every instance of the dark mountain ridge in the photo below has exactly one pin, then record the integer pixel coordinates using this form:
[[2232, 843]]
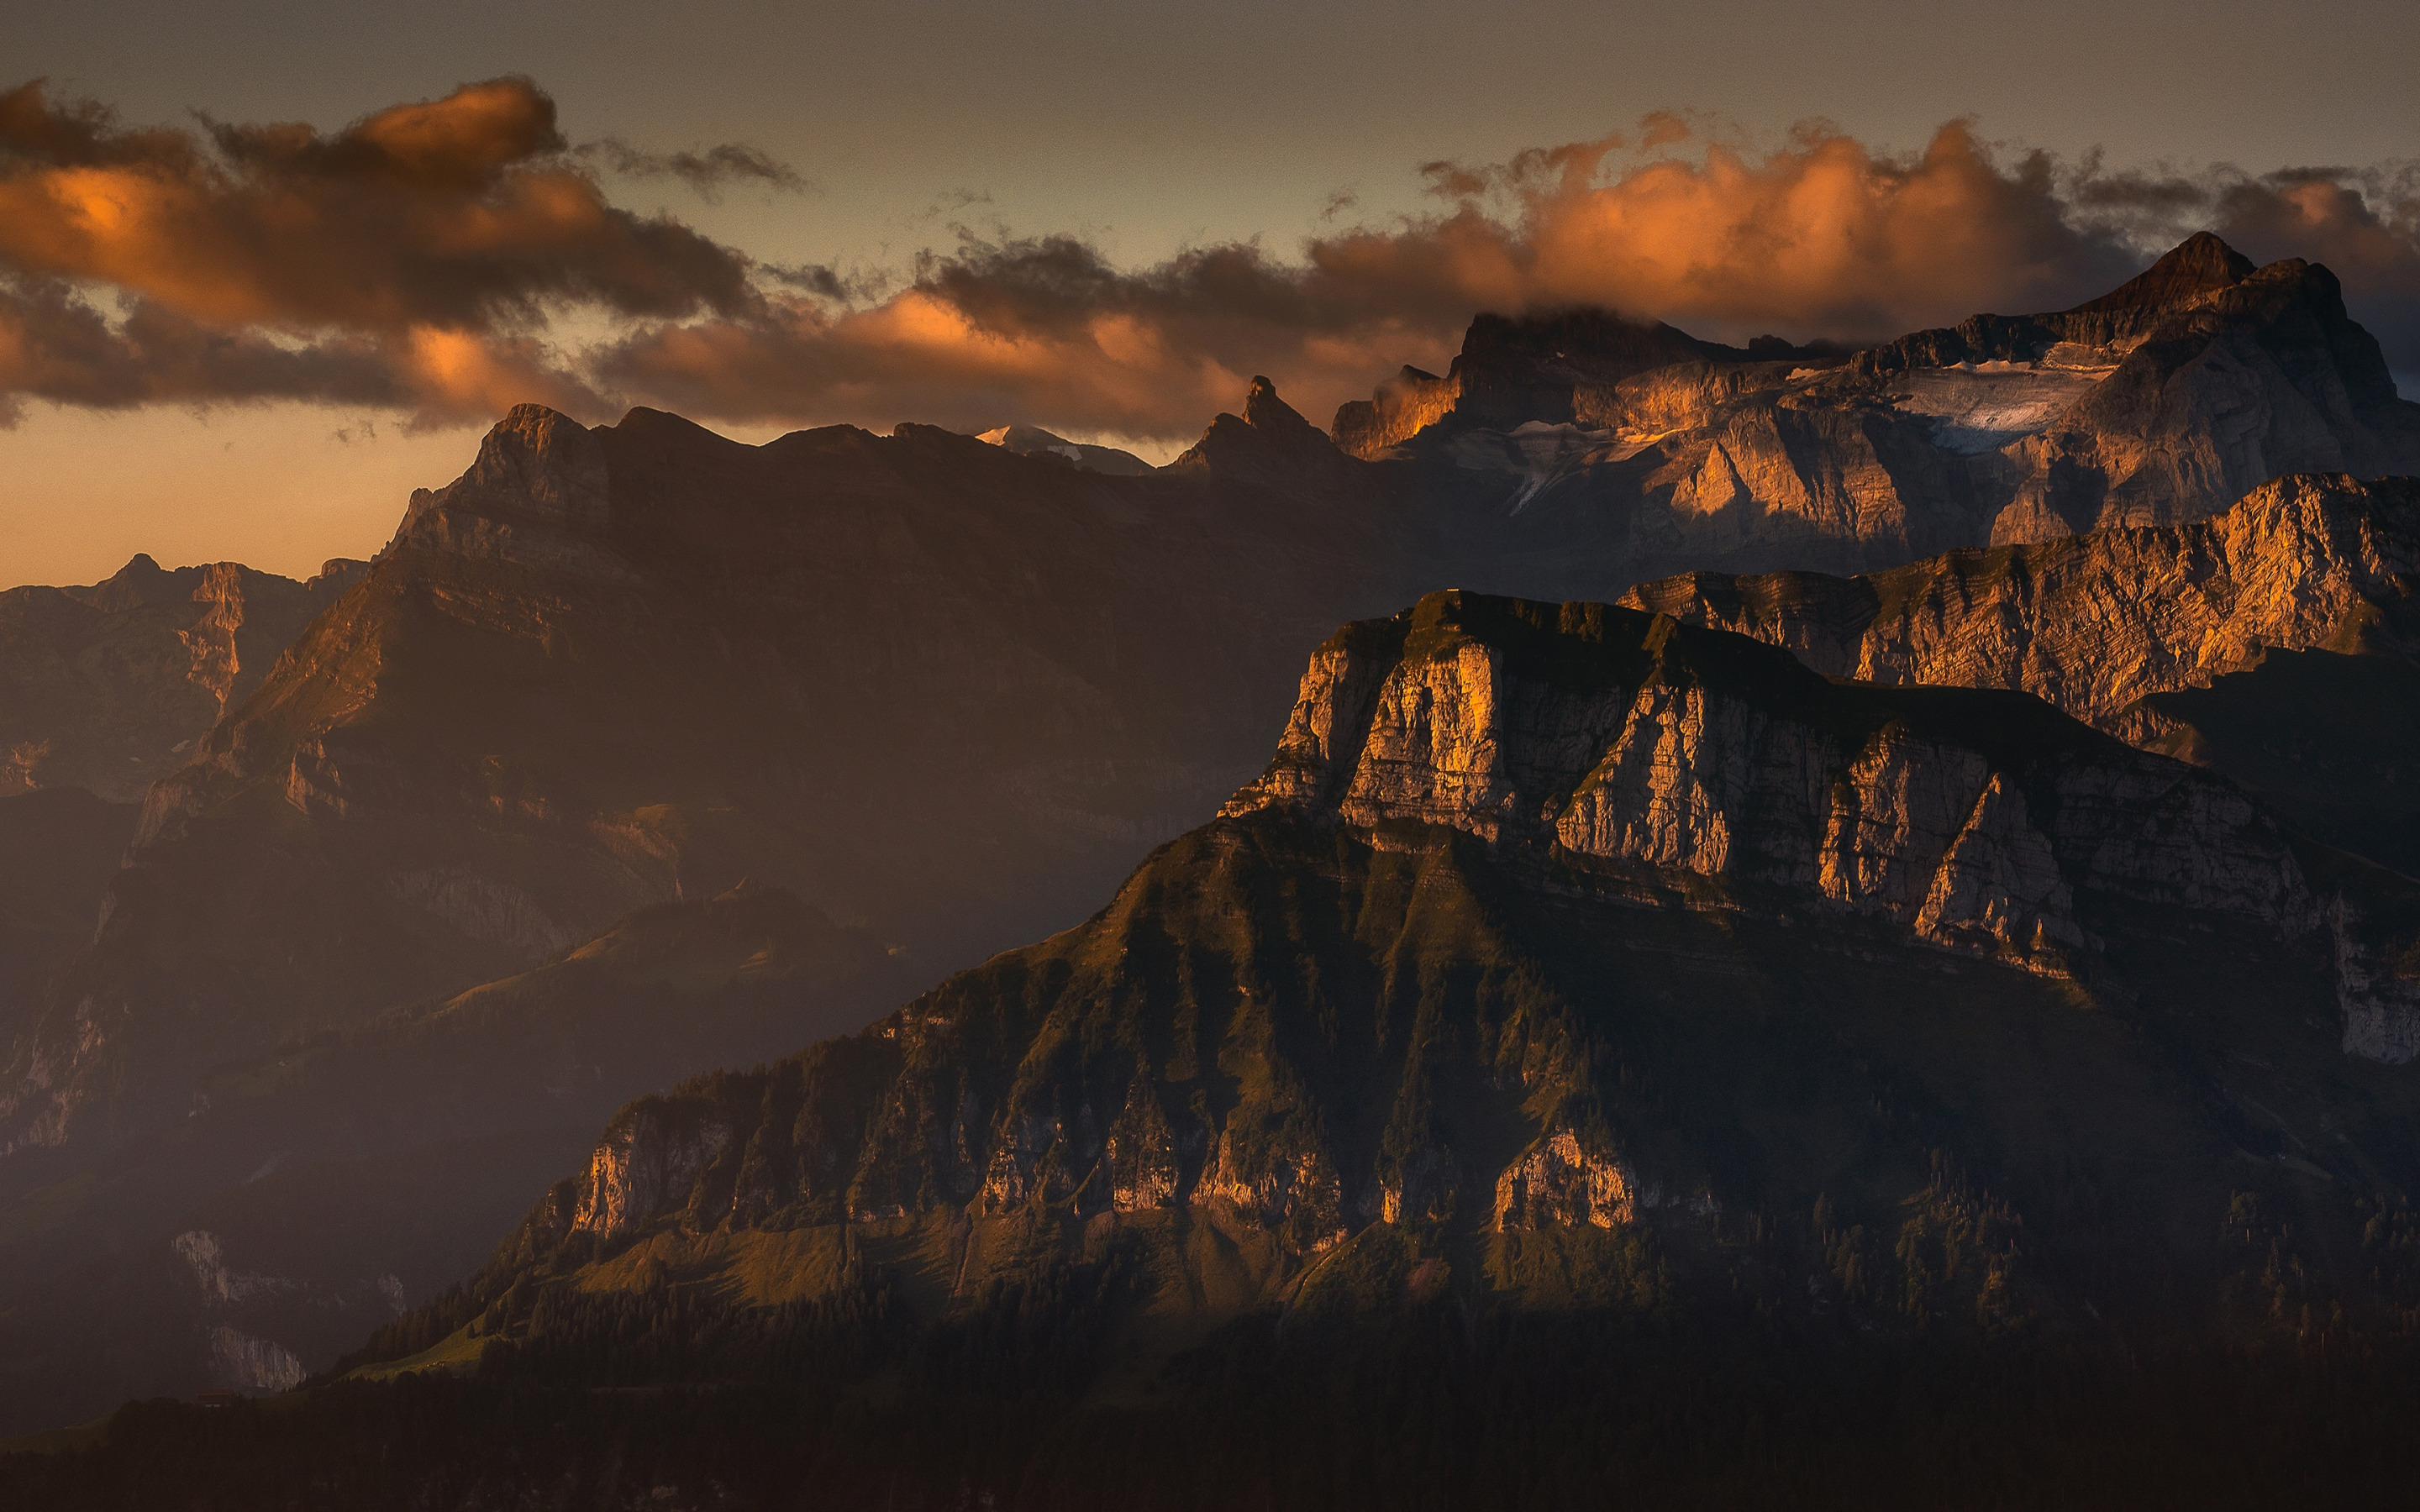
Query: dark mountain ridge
[[946, 691], [608, 668]]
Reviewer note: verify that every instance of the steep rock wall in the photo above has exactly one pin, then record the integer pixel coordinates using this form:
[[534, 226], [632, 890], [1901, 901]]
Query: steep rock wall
[[2094, 624], [1977, 823]]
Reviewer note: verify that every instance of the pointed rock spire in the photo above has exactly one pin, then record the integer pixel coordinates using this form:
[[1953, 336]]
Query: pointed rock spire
[[2196, 266], [1264, 410], [1271, 442]]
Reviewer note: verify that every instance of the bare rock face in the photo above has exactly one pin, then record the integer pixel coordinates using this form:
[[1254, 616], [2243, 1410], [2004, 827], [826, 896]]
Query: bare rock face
[[1626, 451], [1536, 368], [1402, 408], [1558, 1181], [536, 497], [1976, 830], [644, 1159], [2093, 624], [2282, 619], [109, 687]]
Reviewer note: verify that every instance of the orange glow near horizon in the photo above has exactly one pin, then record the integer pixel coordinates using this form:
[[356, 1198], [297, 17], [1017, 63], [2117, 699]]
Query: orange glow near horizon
[[273, 487]]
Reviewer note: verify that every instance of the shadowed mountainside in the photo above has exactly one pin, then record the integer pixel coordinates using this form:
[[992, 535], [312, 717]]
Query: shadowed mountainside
[[61, 846], [1442, 1007], [946, 691], [108, 688], [952, 691], [321, 1188]]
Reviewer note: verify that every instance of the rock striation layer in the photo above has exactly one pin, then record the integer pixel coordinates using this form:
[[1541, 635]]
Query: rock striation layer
[[1980, 824], [2287, 618], [2093, 624]]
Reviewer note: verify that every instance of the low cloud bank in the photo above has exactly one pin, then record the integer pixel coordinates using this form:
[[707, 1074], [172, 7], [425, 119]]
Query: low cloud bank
[[424, 258]]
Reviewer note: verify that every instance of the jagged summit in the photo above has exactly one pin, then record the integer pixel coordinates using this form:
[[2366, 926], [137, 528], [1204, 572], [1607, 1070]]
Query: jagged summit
[[1272, 416], [2163, 401], [108, 686], [1971, 819], [1270, 446], [2196, 265], [538, 494]]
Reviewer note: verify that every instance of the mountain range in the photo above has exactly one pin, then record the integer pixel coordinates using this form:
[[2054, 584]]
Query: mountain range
[[1941, 962], [1601, 452], [1568, 972]]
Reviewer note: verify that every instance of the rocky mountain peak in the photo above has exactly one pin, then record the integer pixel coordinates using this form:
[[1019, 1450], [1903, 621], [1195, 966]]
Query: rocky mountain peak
[[2164, 399], [1405, 1015], [2198, 265], [538, 494], [139, 584], [110, 686], [1400, 408], [337, 573], [1264, 410], [536, 456], [1270, 444], [1517, 368]]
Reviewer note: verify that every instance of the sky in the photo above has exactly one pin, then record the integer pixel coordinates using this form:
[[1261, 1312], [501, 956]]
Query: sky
[[266, 266]]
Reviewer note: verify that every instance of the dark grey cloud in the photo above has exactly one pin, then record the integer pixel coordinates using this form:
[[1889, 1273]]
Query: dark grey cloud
[[413, 257], [707, 171]]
